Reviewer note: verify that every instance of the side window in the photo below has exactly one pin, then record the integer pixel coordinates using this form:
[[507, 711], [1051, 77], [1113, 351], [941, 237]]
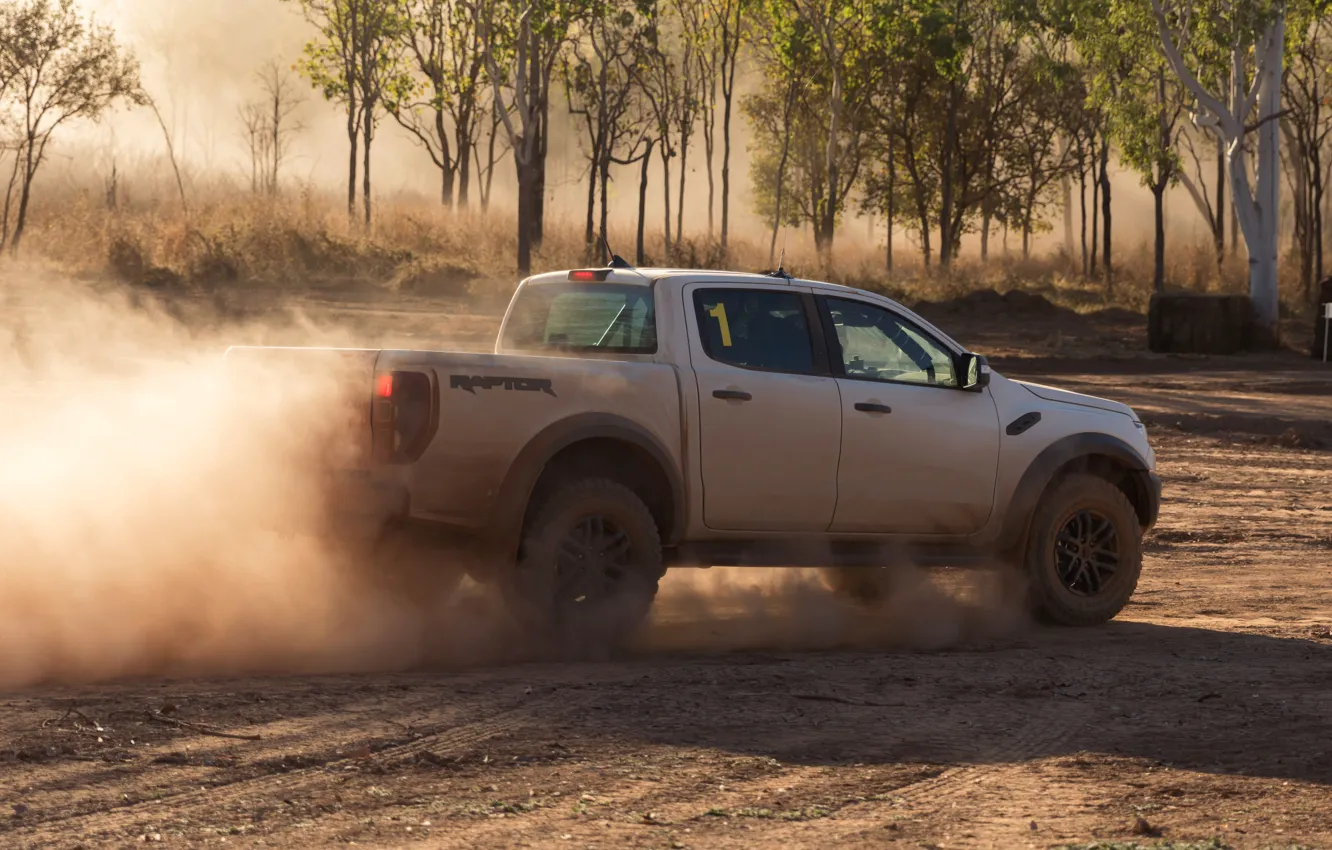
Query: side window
[[755, 329], [878, 345]]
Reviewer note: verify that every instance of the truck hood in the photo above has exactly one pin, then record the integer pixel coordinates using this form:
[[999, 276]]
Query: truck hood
[[1066, 397]]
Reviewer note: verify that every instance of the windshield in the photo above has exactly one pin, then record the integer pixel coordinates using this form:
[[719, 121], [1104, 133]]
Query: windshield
[[583, 317]]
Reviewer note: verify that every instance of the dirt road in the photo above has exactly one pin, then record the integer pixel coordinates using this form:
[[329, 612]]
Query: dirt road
[[771, 716]]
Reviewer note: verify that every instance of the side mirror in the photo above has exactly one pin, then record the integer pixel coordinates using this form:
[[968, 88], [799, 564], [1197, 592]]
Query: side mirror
[[973, 372]]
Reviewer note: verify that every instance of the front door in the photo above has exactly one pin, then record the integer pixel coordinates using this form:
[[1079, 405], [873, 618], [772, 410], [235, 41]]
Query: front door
[[919, 456], [769, 411]]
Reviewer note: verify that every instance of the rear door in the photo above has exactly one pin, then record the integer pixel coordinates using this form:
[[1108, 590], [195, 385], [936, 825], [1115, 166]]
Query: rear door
[[769, 410], [919, 456]]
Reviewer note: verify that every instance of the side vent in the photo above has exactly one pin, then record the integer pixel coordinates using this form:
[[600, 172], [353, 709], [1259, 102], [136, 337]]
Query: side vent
[[1023, 424]]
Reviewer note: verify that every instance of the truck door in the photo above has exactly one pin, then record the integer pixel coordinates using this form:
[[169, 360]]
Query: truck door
[[769, 410], [919, 456]]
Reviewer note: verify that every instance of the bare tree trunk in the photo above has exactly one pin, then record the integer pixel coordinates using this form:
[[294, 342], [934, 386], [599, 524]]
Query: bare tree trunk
[[368, 136], [589, 229], [1219, 226], [353, 136], [666, 191], [9, 195], [1066, 187], [526, 210], [781, 166], [890, 213], [728, 95], [1106, 268], [448, 166], [709, 147], [605, 184], [684, 171], [1095, 211], [642, 203], [946, 178], [1082, 202], [1158, 254], [31, 162]]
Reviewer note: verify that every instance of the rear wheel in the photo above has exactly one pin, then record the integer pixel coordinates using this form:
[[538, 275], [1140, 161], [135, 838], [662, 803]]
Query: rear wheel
[[1084, 552], [588, 568]]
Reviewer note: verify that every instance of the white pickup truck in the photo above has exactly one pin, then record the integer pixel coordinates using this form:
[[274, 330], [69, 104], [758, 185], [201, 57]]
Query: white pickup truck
[[632, 420]]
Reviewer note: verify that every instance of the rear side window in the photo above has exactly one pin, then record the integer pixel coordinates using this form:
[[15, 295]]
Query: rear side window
[[755, 329], [589, 318]]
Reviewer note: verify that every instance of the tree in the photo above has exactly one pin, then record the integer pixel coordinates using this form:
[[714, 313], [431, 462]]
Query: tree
[[822, 76], [1143, 101], [526, 41], [1256, 26], [702, 45], [600, 73], [728, 25], [783, 51], [357, 61], [1307, 127], [442, 40], [268, 126], [59, 69]]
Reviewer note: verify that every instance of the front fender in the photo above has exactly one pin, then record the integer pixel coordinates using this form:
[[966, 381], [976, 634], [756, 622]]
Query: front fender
[[1064, 453]]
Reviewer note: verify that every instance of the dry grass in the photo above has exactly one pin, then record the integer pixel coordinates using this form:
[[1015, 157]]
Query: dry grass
[[303, 241]]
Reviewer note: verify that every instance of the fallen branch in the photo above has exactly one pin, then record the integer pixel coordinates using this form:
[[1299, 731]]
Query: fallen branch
[[198, 727], [74, 711]]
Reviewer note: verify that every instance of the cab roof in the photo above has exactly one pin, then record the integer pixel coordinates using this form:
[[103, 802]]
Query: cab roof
[[681, 277]]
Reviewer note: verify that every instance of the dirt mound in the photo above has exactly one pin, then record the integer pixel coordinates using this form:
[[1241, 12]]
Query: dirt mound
[[1015, 302], [1268, 430]]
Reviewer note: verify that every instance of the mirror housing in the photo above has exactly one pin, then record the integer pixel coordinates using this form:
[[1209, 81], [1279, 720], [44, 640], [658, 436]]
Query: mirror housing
[[973, 372]]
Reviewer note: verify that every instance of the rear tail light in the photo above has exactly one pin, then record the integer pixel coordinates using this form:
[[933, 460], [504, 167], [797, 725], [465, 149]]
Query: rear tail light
[[403, 417]]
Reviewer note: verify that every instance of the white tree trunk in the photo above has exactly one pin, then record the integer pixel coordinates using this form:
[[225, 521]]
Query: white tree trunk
[[1263, 249], [1256, 207]]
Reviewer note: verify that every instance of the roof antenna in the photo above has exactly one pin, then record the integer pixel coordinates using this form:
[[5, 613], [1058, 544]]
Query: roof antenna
[[616, 261], [781, 260]]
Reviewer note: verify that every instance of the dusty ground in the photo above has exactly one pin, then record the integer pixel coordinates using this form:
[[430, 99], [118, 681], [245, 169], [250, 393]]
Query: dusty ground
[[761, 718]]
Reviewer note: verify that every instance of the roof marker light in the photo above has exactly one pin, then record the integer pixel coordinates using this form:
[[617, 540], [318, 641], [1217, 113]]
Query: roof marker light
[[585, 275]]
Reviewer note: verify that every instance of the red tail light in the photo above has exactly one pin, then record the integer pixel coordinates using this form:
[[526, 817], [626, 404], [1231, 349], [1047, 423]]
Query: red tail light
[[403, 416]]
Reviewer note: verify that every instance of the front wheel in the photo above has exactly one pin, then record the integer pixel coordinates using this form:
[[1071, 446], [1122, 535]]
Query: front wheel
[[589, 567], [1084, 552]]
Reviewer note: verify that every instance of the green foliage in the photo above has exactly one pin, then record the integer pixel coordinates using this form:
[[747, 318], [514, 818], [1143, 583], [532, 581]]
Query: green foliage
[[55, 67], [358, 56]]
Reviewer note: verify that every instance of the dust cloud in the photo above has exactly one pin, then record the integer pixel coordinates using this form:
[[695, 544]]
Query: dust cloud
[[742, 608], [164, 511], [161, 511]]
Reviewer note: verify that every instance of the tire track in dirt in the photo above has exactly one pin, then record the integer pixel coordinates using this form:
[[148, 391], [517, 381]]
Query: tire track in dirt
[[177, 807], [1039, 736]]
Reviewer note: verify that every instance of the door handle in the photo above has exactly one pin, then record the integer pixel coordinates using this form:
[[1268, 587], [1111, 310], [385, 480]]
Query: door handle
[[732, 395], [866, 407]]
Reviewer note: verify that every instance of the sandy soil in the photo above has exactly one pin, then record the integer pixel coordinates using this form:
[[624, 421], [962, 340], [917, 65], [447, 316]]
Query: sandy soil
[[753, 714]]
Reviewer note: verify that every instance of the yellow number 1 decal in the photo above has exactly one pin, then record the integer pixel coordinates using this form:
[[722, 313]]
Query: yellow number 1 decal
[[719, 313]]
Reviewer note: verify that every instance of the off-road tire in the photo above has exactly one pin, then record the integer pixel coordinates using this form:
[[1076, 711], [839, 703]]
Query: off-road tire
[[565, 590], [1067, 583]]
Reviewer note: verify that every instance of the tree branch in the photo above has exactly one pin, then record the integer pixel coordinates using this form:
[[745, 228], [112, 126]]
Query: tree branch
[[1228, 123]]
